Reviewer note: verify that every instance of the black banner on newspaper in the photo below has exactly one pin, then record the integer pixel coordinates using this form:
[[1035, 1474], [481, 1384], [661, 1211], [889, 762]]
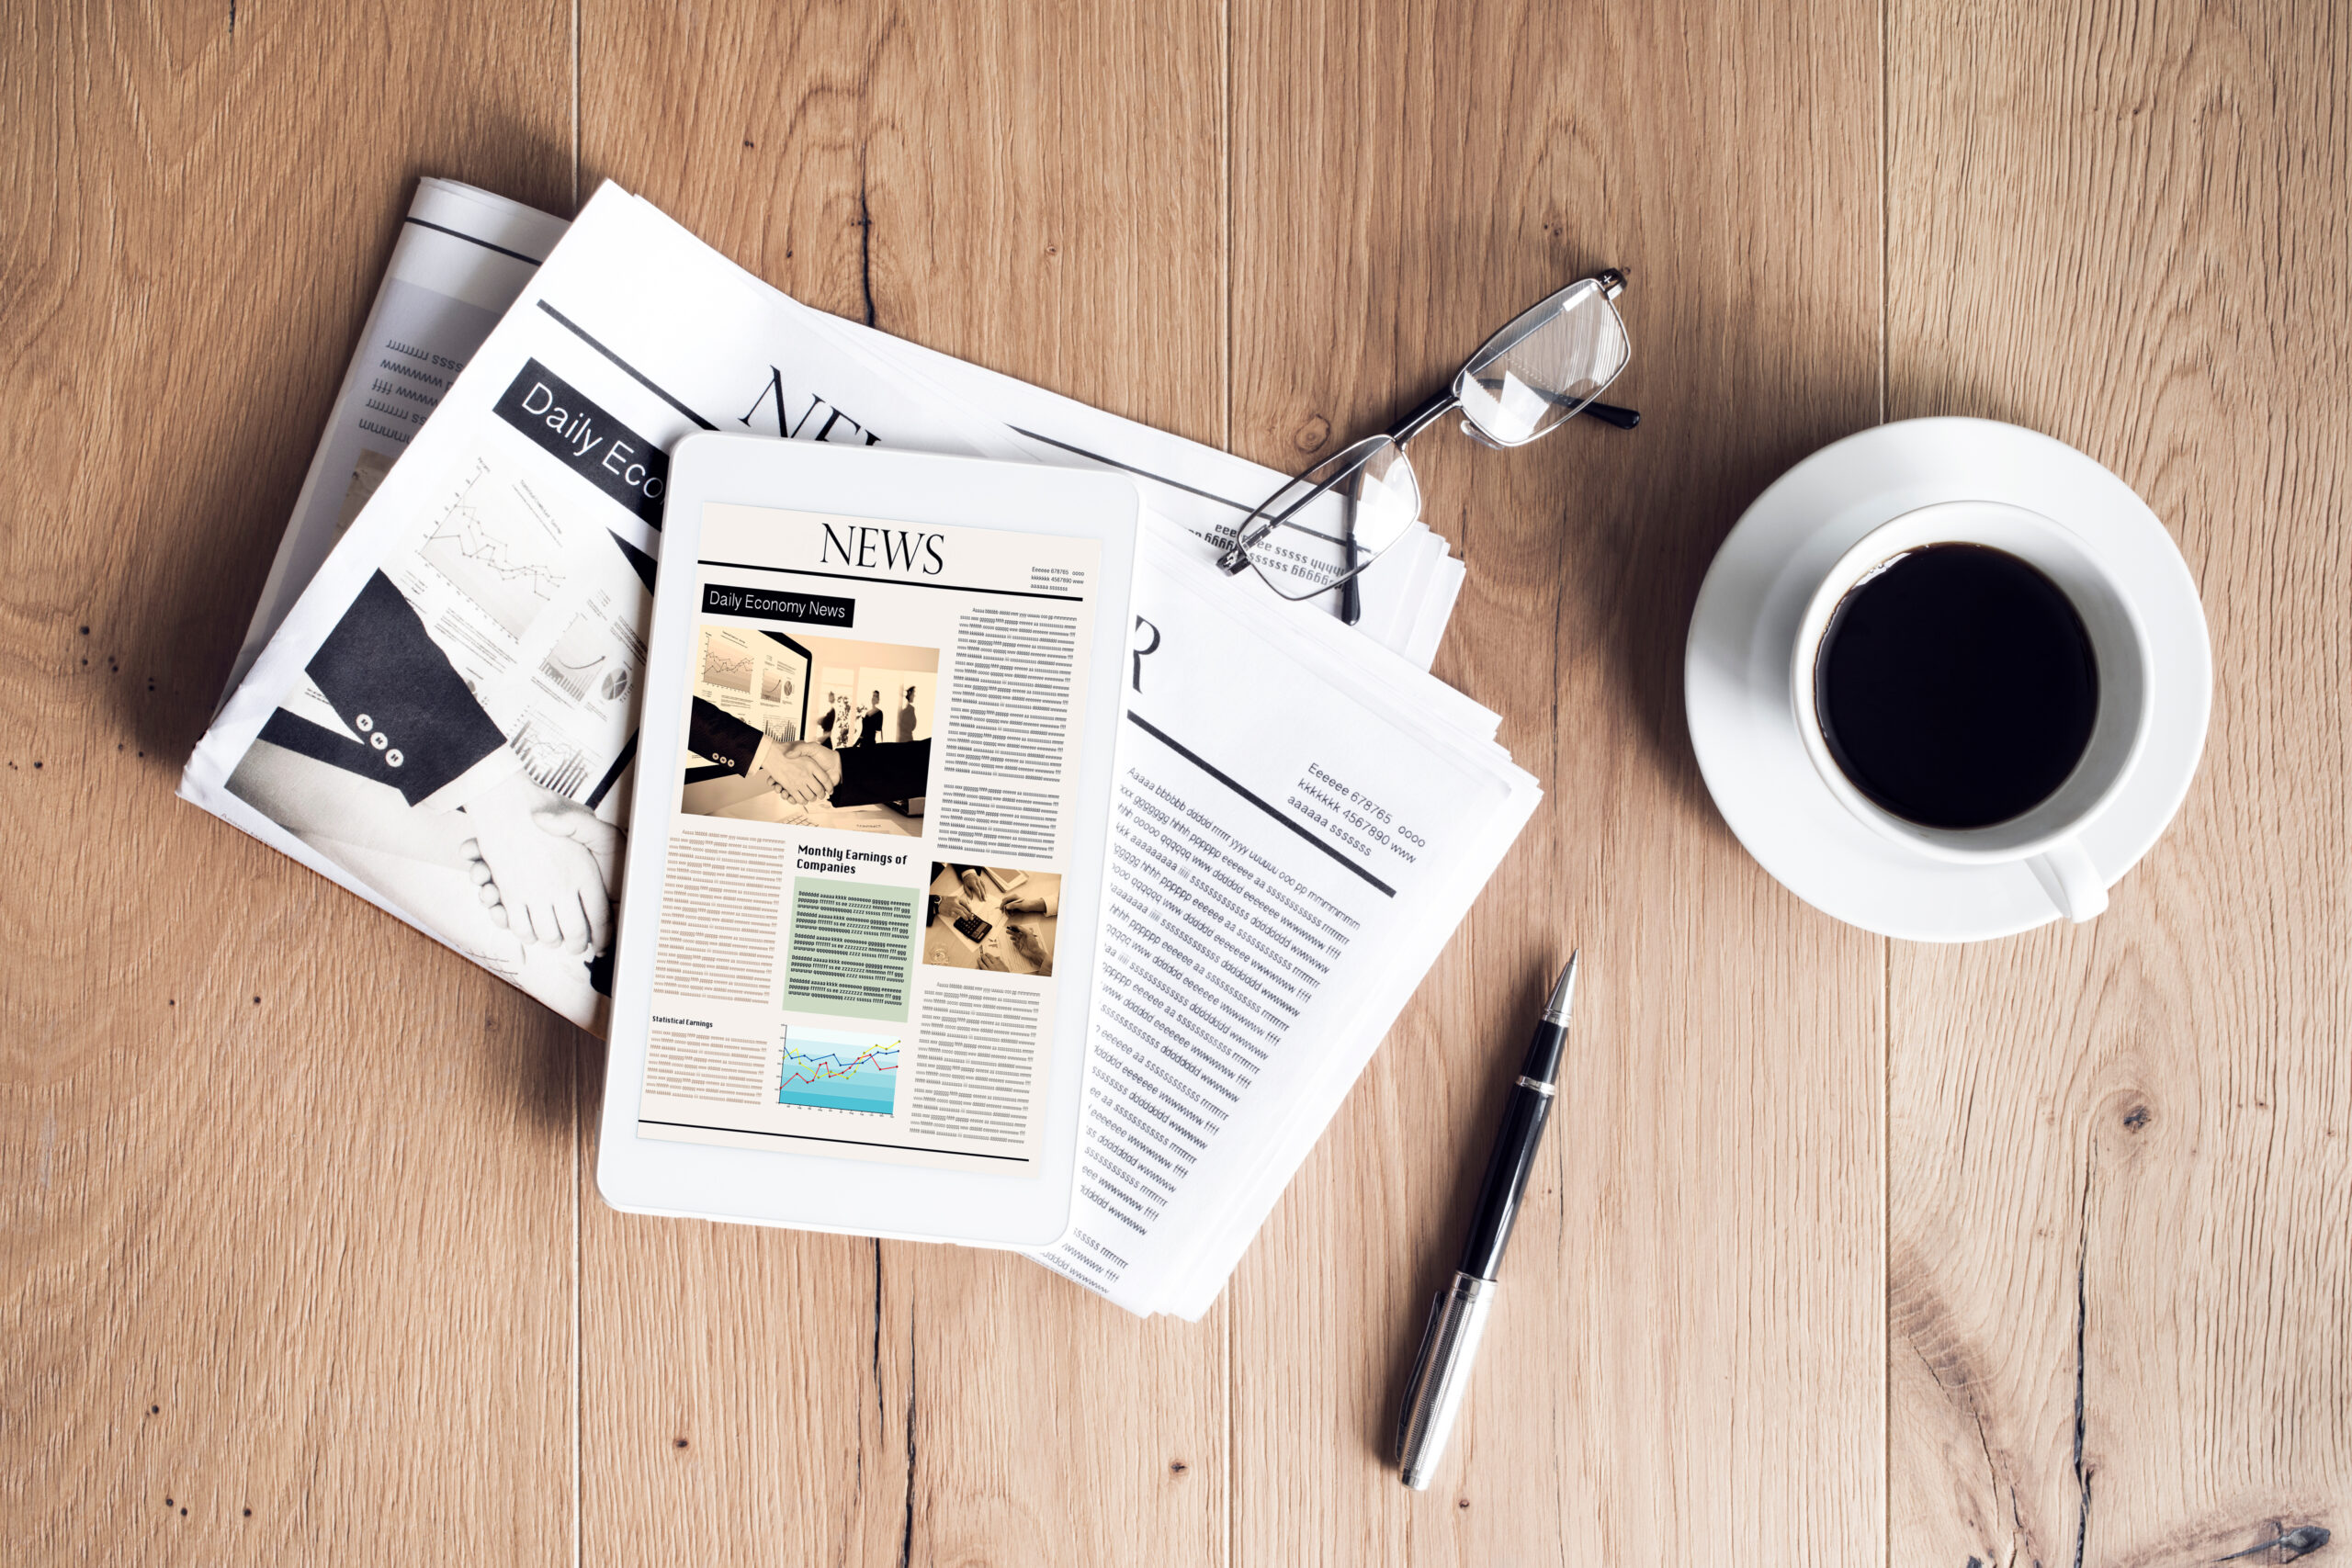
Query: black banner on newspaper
[[775, 604], [568, 424]]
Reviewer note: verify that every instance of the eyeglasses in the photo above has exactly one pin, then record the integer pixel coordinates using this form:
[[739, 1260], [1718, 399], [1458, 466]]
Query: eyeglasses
[[1319, 532]]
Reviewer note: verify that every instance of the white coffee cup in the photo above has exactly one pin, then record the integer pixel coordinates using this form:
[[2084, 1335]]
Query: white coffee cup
[[2047, 837]]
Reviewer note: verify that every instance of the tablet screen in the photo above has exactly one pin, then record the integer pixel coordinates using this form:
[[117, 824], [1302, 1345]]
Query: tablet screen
[[869, 828]]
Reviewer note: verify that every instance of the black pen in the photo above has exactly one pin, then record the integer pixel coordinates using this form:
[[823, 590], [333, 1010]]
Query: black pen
[[1458, 1316]]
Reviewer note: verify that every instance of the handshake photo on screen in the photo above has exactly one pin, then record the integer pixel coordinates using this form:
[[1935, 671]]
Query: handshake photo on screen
[[815, 731]]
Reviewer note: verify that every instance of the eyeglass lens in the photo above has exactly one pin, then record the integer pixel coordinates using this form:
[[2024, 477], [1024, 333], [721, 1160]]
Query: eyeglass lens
[[1545, 366], [1327, 524], [1333, 519]]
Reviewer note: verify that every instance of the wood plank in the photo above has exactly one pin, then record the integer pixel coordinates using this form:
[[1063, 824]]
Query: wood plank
[[2121, 1153], [982, 183], [289, 1246], [1686, 1362]]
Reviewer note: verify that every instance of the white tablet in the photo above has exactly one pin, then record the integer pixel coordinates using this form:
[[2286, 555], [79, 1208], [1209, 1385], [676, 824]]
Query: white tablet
[[858, 928]]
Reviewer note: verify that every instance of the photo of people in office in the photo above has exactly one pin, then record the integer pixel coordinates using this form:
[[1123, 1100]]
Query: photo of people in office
[[992, 918], [856, 711], [810, 731]]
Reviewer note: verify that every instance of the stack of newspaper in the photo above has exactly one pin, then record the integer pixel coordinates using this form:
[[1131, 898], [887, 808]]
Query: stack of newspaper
[[1273, 747]]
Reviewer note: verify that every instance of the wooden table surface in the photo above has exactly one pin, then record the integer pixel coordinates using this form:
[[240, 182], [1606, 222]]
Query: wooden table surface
[[2033, 1251]]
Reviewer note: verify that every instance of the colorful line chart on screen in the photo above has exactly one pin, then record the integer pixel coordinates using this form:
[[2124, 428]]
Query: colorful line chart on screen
[[839, 1072]]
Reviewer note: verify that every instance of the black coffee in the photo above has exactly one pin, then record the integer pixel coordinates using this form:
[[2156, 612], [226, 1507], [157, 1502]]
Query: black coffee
[[1957, 688]]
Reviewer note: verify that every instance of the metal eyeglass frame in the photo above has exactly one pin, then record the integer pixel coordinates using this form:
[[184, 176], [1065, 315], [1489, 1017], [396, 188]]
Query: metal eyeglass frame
[[1236, 556]]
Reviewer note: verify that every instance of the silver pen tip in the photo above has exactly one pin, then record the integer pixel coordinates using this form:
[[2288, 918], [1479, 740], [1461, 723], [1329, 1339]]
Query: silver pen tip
[[1562, 993]]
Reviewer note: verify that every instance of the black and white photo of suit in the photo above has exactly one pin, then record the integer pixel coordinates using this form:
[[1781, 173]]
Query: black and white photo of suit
[[420, 728], [422, 798]]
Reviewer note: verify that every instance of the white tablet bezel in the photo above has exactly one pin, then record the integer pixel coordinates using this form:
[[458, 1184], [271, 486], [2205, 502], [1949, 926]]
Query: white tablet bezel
[[816, 1191]]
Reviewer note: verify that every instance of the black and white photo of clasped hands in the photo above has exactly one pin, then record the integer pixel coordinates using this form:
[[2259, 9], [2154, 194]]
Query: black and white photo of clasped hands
[[544, 867]]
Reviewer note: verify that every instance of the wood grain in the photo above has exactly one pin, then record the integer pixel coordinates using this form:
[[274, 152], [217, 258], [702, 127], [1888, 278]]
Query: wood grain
[[2122, 1154], [977, 179], [1693, 1295], [2029, 1252], [286, 1190]]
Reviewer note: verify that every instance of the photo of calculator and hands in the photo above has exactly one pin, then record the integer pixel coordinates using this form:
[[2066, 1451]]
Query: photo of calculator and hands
[[992, 918]]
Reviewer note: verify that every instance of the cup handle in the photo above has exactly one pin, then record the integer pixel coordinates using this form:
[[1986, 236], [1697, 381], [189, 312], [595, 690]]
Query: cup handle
[[2074, 884]]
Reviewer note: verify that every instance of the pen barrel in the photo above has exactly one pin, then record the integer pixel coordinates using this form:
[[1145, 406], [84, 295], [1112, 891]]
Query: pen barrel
[[1441, 1374], [1506, 1181], [1542, 1063]]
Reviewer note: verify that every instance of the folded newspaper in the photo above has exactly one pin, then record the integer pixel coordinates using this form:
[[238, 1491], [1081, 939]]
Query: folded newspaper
[[441, 684]]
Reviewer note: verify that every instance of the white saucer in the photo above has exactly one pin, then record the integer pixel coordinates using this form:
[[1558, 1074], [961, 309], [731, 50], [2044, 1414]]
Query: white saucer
[[1736, 672]]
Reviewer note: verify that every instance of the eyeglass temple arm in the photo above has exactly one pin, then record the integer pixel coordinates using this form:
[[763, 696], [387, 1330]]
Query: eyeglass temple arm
[[1439, 405]]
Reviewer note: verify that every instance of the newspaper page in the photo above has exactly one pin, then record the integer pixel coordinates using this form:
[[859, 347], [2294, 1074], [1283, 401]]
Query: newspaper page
[[859, 933], [461, 257], [1288, 856], [446, 720]]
